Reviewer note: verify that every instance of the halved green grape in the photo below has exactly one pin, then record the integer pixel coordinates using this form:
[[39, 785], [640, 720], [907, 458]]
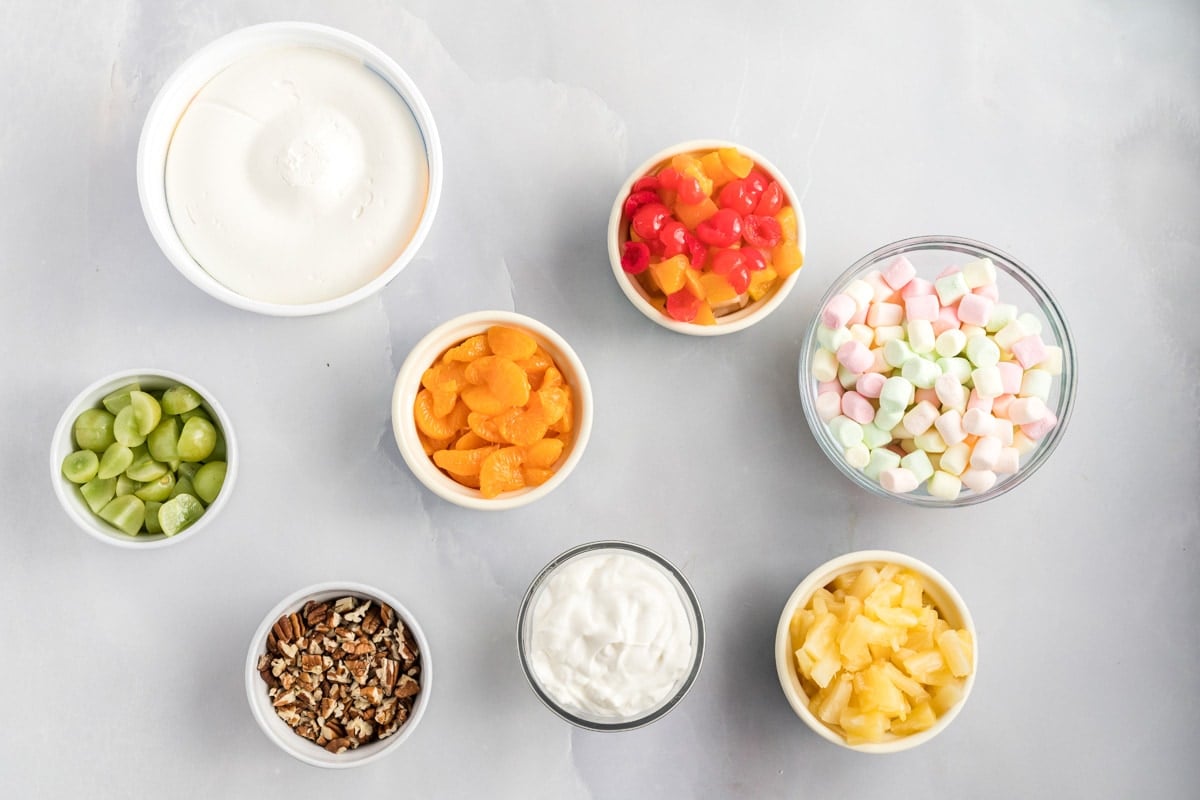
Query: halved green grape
[[97, 492], [183, 485], [187, 469], [195, 412], [94, 430], [151, 523], [197, 439], [126, 485], [144, 468], [179, 399], [80, 466], [126, 513], [218, 452], [162, 440], [208, 480], [158, 490], [178, 513], [119, 398], [116, 459], [125, 428], [146, 411]]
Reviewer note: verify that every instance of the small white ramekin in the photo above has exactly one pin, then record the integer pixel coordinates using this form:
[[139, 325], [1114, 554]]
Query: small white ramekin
[[63, 444], [279, 732], [730, 323], [179, 90], [949, 603], [422, 356]]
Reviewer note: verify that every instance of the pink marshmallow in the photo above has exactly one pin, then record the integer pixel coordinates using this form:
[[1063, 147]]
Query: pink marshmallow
[[1000, 405], [1030, 351], [991, 291], [949, 425], [898, 480], [870, 384], [915, 288], [986, 453], [880, 364], [829, 405], [881, 314], [921, 306], [977, 422], [857, 408], [976, 400], [949, 391], [928, 396], [1036, 430], [834, 386], [948, 271], [838, 311], [947, 320], [975, 309], [1010, 376], [878, 285], [1027, 410], [899, 273], [860, 316], [919, 418], [855, 356]]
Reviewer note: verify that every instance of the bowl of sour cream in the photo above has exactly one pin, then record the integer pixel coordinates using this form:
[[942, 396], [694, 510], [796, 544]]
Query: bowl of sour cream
[[610, 636], [289, 169]]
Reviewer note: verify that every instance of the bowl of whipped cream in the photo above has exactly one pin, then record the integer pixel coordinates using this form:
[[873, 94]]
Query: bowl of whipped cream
[[610, 636], [289, 169]]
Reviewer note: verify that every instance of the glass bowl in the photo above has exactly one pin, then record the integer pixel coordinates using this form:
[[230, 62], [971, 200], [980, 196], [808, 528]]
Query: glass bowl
[[1017, 286], [580, 717]]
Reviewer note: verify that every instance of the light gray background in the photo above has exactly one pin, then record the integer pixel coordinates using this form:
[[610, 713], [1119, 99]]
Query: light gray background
[[1066, 133]]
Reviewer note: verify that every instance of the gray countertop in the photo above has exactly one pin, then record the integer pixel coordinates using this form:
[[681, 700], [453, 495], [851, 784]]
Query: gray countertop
[[1066, 133]]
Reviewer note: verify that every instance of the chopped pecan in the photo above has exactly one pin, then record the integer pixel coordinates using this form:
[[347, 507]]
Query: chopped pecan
[[407, 687]]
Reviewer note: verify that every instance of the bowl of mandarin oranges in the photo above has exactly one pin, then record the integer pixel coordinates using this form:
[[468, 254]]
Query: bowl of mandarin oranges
[[706, 238], [492, 410]]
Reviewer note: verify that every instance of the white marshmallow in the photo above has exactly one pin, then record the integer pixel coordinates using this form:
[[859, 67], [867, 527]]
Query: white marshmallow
[[950, 342], [950, 288], [886, 333], [930, 441], [857, 455], [847, 378], [1030, 323], [898, 480], [829, 405], [1008, 462], [921, 372], [885, 314], [845, 431], [986, 453], [973, 330], [1054, 360], [1024, 410], [1004, 430], [825, 365], [978, 480], [950, 426], [860, 292], [955, 459], [943, 485], [863, 333], [978, 422], [950, 392], [896, 352], [920, 336], [988, 381], [1023, 444], [1010, 334], [1036, 383], [979, 273]]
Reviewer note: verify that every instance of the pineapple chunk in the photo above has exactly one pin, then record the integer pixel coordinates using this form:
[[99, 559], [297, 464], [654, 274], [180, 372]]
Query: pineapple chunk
[[946, 697], [919, 719], [867, 580], [825, 670], [904, 683], [863, 726], [956, 653], [912, 594], [832, 701], [878, 693], [924, 664], [818, 642]]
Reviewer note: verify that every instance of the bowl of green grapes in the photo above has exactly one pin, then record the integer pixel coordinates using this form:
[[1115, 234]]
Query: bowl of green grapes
[[143, 458]]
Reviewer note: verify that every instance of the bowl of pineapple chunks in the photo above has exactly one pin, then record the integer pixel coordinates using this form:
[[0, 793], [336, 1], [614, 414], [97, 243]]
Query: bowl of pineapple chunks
[[876, 651]]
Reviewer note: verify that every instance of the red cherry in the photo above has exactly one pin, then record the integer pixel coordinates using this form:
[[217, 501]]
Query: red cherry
[[635, 257], [683, 305], [771, 200], [761, 231], [722, 229], [638, 199], [673, 237], [668, 178], [726, 260], [734, 195], [756, 184], [689, 190], [739, 279], [753, 258], [648, 220], [697, 250], [647, 183]]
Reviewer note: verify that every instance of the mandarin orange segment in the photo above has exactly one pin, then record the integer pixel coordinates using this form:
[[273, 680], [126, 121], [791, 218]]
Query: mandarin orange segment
[[524, 428], [566, 422], [501, 472], [536, 364], [788, 223], [486, 427], [536, 476], [693, 215], [786, 258], [463, 462], [740, 165], [436, 426], [448, 377], [469, 441], [471, 349], [716, 169], [550, 403], [543, 453], [511, 343], [443, 401], [552, 379], [469, 481], [505, 379], [431, 446], [480, 398]]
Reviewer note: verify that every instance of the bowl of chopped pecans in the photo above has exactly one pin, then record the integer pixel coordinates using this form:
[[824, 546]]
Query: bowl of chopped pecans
[[338, 674]]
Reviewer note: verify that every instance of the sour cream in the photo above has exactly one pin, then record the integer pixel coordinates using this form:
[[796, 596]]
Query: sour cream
[[610, 635], [296, 175]]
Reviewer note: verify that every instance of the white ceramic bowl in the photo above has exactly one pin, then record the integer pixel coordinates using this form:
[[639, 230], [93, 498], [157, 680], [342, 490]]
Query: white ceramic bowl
[[617, 236], [63, 444], [278, 731], [427, 351], [949, 603], [172, 101]]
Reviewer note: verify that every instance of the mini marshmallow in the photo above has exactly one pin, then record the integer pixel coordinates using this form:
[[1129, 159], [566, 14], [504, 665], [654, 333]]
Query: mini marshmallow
[[921, 372], [917, 462], [1054, 360], [977, 422], [921, 306], [974, 309], [1008, 462], [919, 418], [950, 343], [857, 408], [881, 459], [845, 431], [829, 405], [1025, 410], [855, 356], [830, 386], [825, 365], [884, 314], [1029, 351], [879, 364], [956, 366], [1030, 323], [930, 441], [902, 435], [915, 288], [947, 320], [887, 418], [976, 400], [857, 456], [987, 381], [982, 351], [909, 445], [862, 333], [846, 378], [972, 330], [1002, 314], [955, 459], [944, 486], [926, 396], [950, 270], [985, 453], [991, 292], [832, 338], [950, 426], [920, 336], [950, 392], [860, 292], [1023, 444], [860, 316], [899, 273], [1005, 431], [950, 288], [1036, 383], [1010, 334], [838, 311], [896, 352], [1000, 405], [870, 383], [886, 333], [898, 480], [1010, 376], [880, 291], [978, 480], [874, 436], [981, 272]]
